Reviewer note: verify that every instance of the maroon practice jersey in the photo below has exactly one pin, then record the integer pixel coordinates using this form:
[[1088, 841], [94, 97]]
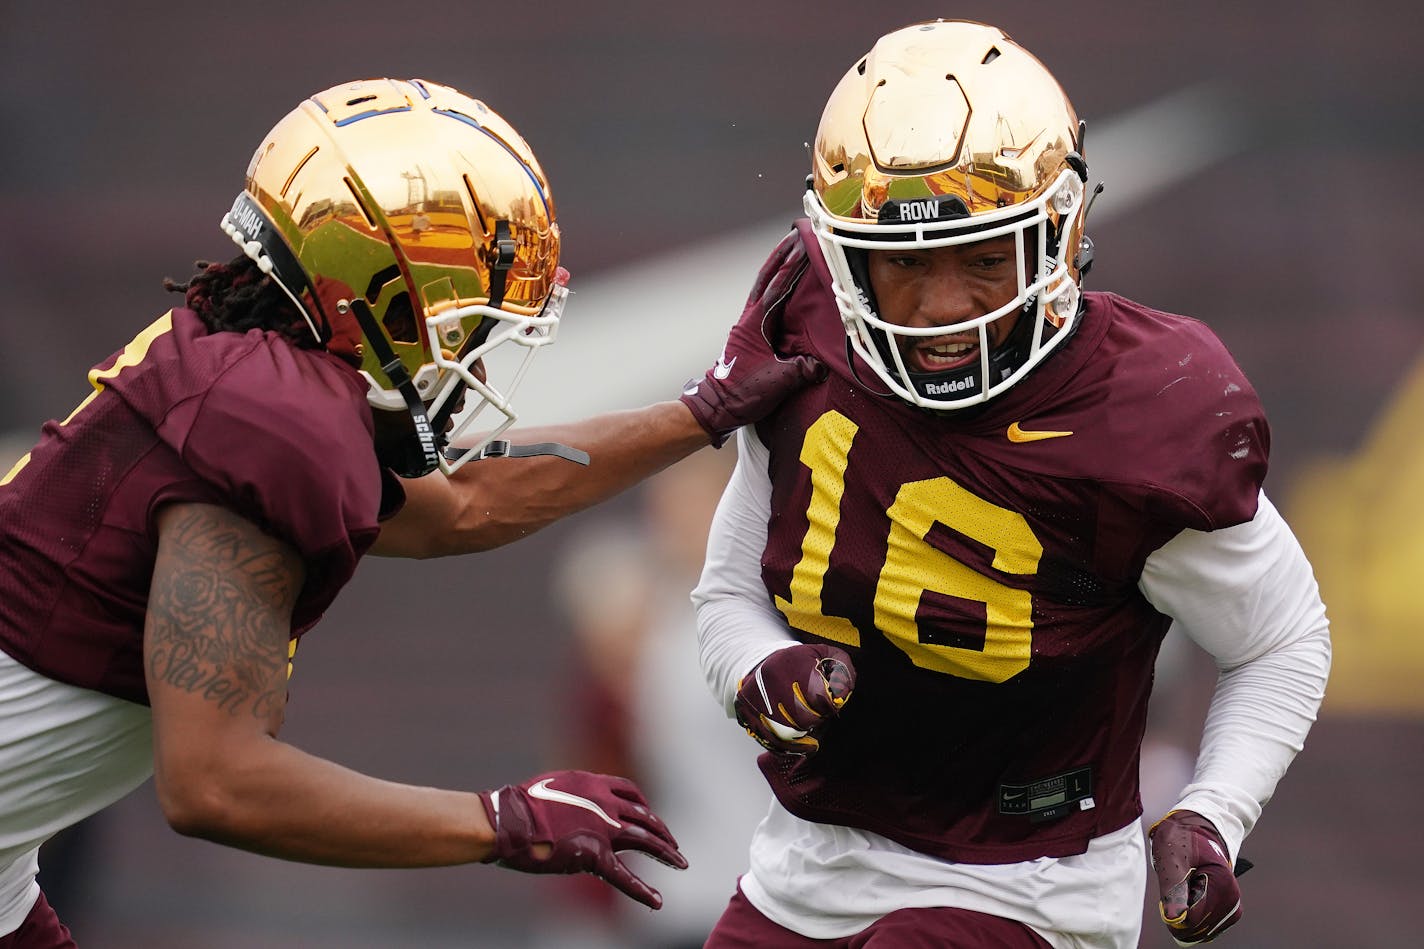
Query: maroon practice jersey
[[280, 435], [981, 569]]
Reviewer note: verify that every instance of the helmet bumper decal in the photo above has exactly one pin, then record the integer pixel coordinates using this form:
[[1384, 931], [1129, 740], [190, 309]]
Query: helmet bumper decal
[[250, 230]]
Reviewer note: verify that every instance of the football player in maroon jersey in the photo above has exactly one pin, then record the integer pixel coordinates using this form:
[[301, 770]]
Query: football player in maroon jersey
[[163, 548], [936, 584]]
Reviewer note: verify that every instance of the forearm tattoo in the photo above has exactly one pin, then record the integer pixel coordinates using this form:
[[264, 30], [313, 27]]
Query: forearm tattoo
[[219, 612]]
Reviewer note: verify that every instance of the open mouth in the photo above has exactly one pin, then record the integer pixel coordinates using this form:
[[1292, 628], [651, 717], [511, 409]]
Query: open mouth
[[939, 355]]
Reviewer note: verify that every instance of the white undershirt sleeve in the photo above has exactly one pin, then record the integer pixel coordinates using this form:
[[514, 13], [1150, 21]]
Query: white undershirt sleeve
[[1247, 595], [737, 626]]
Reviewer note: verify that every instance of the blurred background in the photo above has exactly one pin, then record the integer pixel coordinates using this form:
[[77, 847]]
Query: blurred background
[[1262, 164]]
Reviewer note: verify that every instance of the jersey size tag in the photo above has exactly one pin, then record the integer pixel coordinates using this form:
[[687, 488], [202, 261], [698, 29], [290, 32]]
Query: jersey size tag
[[1049, 798]]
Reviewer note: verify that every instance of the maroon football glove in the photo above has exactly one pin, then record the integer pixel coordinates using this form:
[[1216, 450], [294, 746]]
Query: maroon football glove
[[577, 822], [1200, 896], [750, 379], [791, 694]]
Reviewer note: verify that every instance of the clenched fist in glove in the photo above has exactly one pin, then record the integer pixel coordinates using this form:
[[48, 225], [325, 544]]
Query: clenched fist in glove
[[577, 822], [1200, 897], [792, 693], [750, 379]]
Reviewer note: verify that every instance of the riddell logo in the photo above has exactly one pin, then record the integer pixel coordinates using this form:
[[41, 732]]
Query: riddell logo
[[945, 388]]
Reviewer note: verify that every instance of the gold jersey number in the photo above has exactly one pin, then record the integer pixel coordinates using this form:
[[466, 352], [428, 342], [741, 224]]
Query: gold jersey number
[[131, 356], [913, 566]]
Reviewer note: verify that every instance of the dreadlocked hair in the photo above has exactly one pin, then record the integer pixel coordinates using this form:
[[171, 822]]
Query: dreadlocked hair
[[237, 296]]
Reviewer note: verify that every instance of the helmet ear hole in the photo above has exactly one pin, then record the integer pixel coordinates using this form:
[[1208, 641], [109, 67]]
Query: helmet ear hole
[[399, 321]]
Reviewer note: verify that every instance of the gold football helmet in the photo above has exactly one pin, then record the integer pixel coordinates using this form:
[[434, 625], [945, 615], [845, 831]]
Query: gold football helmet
[[946, 133], [414, 229]]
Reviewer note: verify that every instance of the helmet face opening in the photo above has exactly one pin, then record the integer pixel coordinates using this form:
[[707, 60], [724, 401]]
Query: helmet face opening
[[948, 134], [467, 393], [430, 210]]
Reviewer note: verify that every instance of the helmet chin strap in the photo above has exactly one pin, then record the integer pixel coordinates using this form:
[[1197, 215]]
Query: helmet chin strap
[[500, 448], [414, 460]]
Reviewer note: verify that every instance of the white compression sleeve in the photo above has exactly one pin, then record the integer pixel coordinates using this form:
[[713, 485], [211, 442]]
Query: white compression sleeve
[[737, 626], [1247, 595]]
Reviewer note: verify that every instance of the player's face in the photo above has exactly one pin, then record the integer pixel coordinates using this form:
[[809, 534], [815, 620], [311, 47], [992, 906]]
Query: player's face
[[939, 286]]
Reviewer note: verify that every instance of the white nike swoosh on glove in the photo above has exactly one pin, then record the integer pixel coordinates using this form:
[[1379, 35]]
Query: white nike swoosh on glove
[[785, 733], [543, 792], [723, 369]]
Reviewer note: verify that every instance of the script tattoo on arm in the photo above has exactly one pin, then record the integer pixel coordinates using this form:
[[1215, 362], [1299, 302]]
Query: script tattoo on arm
[[219, 612]]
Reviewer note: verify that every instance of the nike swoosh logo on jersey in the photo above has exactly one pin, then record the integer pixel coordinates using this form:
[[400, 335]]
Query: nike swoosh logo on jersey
[[723, 369], [543, 792], [1019, 435]]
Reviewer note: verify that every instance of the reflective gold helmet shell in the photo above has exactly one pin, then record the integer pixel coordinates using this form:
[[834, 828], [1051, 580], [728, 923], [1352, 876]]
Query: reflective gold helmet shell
[[414, 228], [948, 132]]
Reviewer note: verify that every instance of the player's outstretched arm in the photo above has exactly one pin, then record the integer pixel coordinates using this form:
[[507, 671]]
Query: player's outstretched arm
[[215, 655], [494, 501]]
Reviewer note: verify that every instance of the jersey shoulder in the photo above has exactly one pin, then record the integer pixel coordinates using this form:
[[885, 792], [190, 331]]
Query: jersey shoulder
[[283, 434], [810, 321], [1167, 412]]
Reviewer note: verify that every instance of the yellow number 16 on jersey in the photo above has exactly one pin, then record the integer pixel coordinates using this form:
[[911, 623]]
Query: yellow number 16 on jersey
[[913, 566]]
